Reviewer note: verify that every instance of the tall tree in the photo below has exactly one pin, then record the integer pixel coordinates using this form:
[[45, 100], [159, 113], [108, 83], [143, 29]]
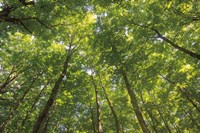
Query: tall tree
[[145, 52]]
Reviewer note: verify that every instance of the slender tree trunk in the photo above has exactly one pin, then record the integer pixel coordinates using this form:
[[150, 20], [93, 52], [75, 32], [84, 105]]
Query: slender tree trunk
[[189, 99], [192, 96], [184, 94], [99, 126], [191, 118], [172, 122], [135, 103], [122, 128], [92, 118], [164, 120], [16, 106], [131, 94], [43, 115], [159, 35], [153, 119], [33, 105], [111, 107]]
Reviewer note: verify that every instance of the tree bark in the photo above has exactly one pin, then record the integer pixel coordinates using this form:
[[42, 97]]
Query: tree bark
[[99, 126], [135, 103], [189, 99], [111, 107], [159, 35], [43, 115], [92, 118]]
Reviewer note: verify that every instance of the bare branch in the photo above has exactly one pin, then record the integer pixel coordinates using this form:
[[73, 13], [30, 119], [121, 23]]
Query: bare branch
[[25, 27]]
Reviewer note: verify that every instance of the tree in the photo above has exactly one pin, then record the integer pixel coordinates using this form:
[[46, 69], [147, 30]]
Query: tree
[[99, 66]]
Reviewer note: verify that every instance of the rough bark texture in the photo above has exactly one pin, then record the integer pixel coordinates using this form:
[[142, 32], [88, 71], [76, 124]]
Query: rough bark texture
[[135, 104], [43, 115]]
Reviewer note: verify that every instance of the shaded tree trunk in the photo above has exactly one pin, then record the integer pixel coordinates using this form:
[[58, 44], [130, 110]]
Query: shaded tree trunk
[[99, 126], [33, 105], [191, 95], [43, 115], [16, 106], [189, 99], [190, 117], [153, 119], [172, 122], [132, 95], [164, 120], [92, 118], [135, 103], [111, 107], [185, 94]]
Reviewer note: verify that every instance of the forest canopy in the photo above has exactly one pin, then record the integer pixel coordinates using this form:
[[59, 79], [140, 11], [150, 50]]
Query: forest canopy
[[99, 66]]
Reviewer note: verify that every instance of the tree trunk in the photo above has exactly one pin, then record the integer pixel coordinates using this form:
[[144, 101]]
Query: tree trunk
[[190, 117], [135, 104], [99, 126], [33, 105], [165, 122], [153, 119], [188, 97], [111, 107], [172, 121], [92, 118], [43, 115], [16, 106]]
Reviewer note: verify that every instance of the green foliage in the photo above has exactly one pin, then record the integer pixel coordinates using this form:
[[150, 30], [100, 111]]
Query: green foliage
[[105, 37]]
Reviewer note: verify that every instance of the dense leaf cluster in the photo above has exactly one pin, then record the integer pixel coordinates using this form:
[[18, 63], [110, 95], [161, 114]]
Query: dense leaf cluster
[[99, 66]]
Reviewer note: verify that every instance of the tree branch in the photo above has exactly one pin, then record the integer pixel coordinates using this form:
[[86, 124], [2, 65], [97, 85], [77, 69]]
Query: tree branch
[[27, 3], [190, 53]]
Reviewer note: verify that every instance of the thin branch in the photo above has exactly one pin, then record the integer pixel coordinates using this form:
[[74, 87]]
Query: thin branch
[[25, 27], [34, 18], [27, 3]]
